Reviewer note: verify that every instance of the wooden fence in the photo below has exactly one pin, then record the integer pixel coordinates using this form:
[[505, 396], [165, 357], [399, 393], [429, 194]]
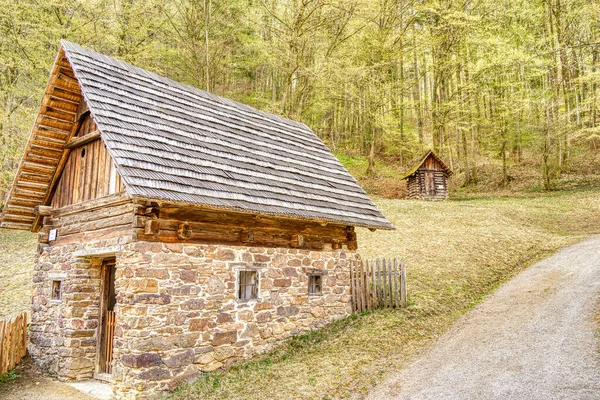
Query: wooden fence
[[378, 284], [13, 342]]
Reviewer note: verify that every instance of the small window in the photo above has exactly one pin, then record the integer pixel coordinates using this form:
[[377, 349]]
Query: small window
[[248, 285], [56, 290], [315, 284]]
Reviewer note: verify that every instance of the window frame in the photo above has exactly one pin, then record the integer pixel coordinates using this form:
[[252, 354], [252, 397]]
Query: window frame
[[239, 284], [56, 283], [318, 283]]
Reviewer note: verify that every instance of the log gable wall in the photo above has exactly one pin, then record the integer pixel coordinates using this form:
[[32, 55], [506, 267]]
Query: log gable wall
[[89, 172]]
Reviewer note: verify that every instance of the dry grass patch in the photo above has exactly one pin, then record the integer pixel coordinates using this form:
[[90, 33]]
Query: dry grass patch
[[17, 254], [457, 252]]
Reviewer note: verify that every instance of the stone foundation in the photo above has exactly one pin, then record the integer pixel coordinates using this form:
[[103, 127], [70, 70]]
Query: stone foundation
[[177, 312]]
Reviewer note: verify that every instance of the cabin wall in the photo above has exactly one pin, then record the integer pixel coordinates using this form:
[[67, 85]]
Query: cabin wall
[[416, 188], [177, 312], [106, 217], [89, 172], [62, 337], [63, 332]]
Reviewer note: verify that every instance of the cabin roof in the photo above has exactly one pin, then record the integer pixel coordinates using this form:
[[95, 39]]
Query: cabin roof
[[177, 143], [430, 153]]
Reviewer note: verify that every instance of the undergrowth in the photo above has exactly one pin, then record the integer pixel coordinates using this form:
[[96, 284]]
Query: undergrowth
[[8, 376]]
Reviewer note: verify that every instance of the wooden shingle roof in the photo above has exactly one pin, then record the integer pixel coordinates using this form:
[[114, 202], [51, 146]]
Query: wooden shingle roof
[[177, 143], [430, 153]]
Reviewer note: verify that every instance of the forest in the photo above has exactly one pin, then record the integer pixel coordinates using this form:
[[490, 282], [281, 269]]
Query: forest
[[487, 84]]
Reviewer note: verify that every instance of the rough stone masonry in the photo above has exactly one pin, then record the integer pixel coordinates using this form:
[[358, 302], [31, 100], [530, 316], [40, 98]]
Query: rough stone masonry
[[176, 309]]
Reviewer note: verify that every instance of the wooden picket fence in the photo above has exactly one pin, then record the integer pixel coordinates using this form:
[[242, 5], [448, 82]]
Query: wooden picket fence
[[13, 342], [378, 283]]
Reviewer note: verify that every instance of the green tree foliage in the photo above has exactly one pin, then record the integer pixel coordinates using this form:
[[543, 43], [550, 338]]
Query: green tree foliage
[[499, 81]]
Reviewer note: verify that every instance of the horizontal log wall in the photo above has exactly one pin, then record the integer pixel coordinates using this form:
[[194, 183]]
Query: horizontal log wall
[[117, 215], [171, 223], [110, 216], [416, 186]]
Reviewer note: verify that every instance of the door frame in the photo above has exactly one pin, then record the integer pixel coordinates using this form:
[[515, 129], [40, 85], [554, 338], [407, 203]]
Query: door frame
[[105, 269], [432, 187]]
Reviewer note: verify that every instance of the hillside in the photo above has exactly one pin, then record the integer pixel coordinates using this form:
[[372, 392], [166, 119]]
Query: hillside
[[457, 252], [17, 254]]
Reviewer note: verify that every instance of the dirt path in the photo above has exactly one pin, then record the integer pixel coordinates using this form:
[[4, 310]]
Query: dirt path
[[534, 338], [33, 385]]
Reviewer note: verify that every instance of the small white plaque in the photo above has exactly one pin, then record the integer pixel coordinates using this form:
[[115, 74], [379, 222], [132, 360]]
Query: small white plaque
[[52, 234]]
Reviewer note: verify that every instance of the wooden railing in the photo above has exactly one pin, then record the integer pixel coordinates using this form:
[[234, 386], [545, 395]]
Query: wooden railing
[[13, 342], [378, 284]]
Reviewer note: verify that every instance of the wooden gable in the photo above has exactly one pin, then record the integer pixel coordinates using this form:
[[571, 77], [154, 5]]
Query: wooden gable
[[430, 162], [89, 172], [65, 161]]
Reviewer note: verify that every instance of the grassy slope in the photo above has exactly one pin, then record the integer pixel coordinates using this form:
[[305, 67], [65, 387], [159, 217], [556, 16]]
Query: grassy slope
[[17, 252], [457, 252]]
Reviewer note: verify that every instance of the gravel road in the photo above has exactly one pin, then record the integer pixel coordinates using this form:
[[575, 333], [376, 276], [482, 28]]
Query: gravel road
[[534, 338]]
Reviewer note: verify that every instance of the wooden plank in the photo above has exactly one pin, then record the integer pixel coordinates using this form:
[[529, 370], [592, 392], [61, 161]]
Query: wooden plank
[[24, 336], [391, 290], [402, 284], [396, 277], [373, 287], [2, 327], [379, 294], [12, 343], [352, 288], [361, 287], [367, 282], [385, 288], [93, 149]]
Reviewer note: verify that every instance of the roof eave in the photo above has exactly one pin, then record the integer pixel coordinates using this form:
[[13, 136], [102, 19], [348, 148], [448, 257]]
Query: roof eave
[[389, 227]]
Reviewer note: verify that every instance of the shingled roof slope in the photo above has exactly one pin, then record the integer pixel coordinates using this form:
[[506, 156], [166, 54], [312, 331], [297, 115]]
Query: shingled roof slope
[[178, 143], [429, 153]]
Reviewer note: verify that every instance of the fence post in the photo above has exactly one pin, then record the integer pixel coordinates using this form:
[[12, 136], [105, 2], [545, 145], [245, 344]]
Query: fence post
[[396, 277], [352, 287], [403, 283], [367, 291]]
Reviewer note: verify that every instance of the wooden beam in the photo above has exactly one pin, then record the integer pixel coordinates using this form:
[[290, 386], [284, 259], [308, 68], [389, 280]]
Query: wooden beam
[[80, 141], [42, 211], [14, 225]]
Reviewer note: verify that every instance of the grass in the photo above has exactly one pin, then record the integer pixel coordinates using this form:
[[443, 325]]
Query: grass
[[457, 252], [17, 253], [8, 376]]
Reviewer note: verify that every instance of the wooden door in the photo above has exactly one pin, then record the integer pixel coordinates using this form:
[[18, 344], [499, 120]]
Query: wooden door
[[430, 183], [107, 318]]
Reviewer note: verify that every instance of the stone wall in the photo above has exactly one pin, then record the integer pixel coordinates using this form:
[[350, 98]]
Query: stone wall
[[177, 313], [62, 338]]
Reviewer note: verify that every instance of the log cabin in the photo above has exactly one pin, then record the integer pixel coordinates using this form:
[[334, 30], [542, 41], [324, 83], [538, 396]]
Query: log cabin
[[179, 231], [428, 180]]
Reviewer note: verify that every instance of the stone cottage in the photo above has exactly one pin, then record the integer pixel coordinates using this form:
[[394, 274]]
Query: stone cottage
[[179, 231]]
